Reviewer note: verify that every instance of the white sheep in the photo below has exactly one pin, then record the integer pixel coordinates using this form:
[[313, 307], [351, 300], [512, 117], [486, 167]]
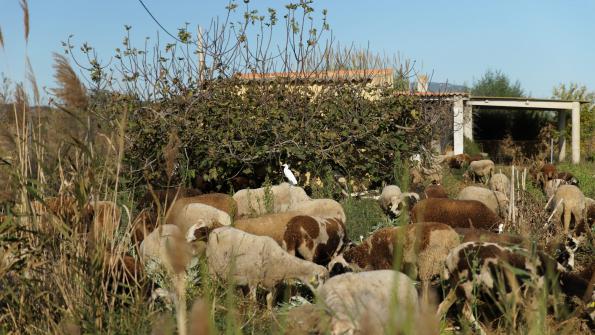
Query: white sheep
[[196, 213], [391, 199], [500, 182], [323, 208], [494, 200], [166, 246], [551, 186], [481, 170], [570, 202], [254, 202], [369, 301], [246, 259]]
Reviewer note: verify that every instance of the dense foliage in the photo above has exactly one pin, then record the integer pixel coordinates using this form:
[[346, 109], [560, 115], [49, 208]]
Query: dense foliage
[[241, 128]]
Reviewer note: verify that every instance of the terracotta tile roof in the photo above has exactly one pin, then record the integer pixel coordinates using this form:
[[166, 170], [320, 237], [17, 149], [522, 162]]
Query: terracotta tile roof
[[334, 75], [432, 94]]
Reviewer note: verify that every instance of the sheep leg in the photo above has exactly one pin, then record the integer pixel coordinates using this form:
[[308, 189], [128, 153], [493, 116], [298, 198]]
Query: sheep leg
[[446, 304], [252, 292], [271, 298], [567, 218], [425, 291], [468, 314]]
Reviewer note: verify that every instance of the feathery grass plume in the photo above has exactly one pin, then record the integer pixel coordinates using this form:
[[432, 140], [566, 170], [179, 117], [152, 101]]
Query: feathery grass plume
[[32, 80], [70, 89], [25, 8], [170, 153], [1, 39]]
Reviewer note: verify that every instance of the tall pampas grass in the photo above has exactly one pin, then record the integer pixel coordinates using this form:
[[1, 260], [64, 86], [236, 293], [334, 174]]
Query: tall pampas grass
[[70, 89], [25, 8], [1, 39]]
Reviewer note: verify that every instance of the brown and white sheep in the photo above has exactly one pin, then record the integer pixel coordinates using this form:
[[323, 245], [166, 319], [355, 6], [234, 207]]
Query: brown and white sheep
[[481, 170], [456, 213], [422, 247], [392, 200], [570, 203], [563, 252], [494, 200], [485, 269], [253, 202], [257, 261], [314, 239], [568, 177]]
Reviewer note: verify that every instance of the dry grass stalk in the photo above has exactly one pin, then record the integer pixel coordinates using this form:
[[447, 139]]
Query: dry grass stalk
[[170, 153], [71, 90], [25, 8], [200, 319], [1, 39]]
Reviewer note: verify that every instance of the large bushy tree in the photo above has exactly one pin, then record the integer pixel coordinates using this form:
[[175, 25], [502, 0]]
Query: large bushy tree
[[496, 84], [576, 92]]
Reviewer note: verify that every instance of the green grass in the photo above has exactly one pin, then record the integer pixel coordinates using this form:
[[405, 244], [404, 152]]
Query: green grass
[[363, 216], [585, 173]]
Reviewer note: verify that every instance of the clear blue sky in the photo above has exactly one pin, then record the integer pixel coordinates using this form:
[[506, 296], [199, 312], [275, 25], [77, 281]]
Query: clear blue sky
[[540, 42]]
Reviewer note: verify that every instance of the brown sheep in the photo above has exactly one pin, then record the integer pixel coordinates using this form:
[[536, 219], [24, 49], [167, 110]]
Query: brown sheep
[[458, 161], [423, 248], [456, 213], [547, 172], [143, 224], [435, 191]]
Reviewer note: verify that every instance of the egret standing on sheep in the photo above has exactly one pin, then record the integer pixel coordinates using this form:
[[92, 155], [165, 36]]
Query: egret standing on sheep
[[289, 175]]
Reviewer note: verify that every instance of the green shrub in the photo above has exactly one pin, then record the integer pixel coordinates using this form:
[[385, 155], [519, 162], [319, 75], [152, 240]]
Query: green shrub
[[471, 148]]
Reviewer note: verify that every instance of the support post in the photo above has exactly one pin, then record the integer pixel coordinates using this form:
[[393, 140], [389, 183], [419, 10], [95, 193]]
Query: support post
[[576, 132], [562, 131], [458, 112], [468, 122]]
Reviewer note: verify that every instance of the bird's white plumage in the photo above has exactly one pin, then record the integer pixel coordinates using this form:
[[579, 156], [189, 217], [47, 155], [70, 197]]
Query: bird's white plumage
[[289, 175]]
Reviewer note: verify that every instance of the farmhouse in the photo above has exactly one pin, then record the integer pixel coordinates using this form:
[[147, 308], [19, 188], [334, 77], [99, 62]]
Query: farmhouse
[[462, 105]]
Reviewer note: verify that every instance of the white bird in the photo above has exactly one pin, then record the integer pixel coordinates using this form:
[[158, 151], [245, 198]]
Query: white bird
[[289, 175]]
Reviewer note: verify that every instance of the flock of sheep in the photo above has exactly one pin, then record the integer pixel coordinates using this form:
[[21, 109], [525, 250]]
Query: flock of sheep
[[271, 236]]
